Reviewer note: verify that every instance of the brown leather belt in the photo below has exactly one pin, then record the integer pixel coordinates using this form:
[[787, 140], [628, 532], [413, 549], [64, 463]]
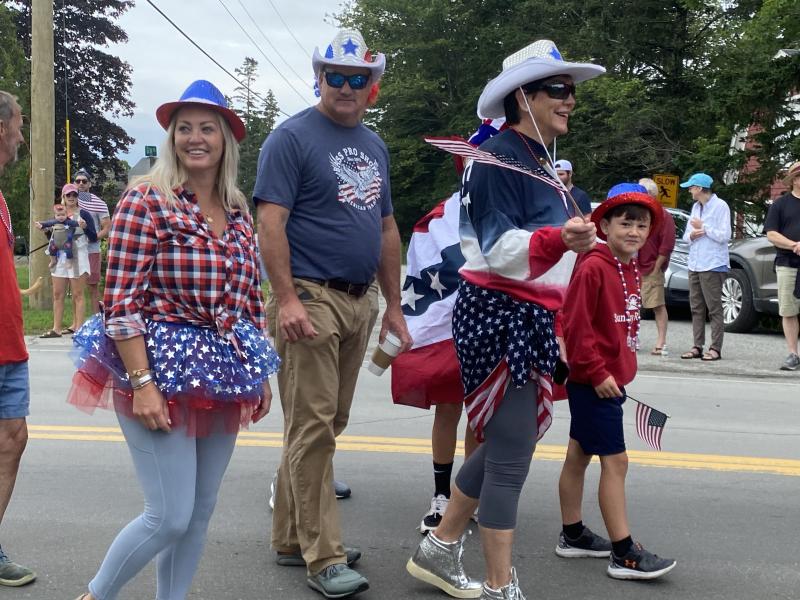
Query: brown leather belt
[[341, 285]]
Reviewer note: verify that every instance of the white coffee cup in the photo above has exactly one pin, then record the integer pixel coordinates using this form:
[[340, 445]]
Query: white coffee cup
[[384, 354]]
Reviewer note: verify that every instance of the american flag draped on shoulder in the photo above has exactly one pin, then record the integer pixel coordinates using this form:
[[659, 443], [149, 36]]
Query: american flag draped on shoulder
[[649, 424]]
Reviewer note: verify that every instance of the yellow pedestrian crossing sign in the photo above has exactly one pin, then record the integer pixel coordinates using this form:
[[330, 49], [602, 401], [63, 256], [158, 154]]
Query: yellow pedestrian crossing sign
[[667, 189]]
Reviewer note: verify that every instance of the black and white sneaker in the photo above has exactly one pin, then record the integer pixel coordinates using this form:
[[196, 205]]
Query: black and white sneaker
[[638, 563], [433, 517], [588, 545]]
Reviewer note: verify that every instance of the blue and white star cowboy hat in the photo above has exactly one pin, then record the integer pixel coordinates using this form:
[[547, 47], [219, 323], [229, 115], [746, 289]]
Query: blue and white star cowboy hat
[[349, 50], [539, 60]]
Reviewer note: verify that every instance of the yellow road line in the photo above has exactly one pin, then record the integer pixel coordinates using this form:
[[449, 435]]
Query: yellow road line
[[400, 445]]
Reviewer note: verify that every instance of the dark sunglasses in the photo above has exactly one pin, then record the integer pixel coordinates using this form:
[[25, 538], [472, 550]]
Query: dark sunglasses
[[356, 82], [72, 195], [81, 181], [557, 90]]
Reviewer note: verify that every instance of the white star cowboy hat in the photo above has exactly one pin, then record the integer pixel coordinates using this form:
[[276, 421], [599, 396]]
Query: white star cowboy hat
[[204, 94], [349, 50], [539, 60]]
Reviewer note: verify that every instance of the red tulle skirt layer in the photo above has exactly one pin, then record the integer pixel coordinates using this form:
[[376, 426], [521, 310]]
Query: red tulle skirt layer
[[93, 387]]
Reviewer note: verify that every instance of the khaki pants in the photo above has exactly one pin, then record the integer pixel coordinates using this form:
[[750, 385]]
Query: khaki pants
[[705, 293], [316, 381]]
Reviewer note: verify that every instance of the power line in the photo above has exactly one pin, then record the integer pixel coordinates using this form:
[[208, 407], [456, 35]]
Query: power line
[[277, 70], [300, 77], [277, 12], [211, 58]]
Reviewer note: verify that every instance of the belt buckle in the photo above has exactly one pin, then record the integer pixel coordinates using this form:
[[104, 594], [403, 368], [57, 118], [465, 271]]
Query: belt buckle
[[352, 289]]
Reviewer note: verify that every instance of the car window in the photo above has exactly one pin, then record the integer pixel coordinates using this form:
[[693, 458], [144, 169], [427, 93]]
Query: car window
[[681, 221]]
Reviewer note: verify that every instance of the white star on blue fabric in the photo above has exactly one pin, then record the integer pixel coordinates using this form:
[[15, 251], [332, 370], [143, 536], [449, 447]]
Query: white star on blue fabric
[[436, 285], [410, 297]]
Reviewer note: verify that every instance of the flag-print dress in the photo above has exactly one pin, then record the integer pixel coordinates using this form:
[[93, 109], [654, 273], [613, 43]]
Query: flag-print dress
[[197, 300], [515, 278]]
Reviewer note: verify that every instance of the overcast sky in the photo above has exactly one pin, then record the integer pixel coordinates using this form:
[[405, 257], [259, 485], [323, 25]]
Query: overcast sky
[[164, 62]]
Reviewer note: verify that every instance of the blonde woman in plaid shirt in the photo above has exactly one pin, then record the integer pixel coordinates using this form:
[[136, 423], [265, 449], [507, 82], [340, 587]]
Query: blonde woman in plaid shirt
[[180, 349]]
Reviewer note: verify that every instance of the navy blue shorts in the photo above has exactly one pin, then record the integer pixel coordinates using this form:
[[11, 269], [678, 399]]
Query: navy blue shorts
[[15, 391], [596, 423]]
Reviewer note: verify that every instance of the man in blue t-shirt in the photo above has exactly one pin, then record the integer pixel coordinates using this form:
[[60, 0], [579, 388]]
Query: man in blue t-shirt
[[326, 229]]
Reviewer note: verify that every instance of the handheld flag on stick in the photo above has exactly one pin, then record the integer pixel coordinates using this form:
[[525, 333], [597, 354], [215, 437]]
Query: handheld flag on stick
[[462, 148], [649, 424]]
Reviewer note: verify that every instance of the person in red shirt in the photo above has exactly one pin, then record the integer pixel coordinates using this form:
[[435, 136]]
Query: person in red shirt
[[653, 260], [14, 382], [601, 327]]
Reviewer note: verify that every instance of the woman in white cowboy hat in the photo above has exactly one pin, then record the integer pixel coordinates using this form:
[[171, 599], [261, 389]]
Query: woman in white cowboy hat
[[181, 348], [516, 230]]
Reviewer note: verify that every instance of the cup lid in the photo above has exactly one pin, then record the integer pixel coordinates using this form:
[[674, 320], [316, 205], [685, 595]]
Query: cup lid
[[393, 339]]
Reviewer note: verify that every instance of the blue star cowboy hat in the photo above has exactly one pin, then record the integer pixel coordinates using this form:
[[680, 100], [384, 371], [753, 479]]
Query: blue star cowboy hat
[[204, 94], [538, 60], [349, 50]]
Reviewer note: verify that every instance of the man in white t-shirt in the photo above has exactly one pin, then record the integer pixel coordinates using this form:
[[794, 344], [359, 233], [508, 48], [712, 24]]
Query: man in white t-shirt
[[102, 224]]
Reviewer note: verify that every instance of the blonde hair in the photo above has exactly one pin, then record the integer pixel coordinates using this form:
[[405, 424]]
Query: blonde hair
[[650, 185], [168, 173]]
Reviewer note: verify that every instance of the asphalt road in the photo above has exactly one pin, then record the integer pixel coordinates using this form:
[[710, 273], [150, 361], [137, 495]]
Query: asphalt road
[[721, 498]]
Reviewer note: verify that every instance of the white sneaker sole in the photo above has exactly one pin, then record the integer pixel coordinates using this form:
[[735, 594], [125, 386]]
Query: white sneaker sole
[[623, 573], [418, 572], [581, 553]]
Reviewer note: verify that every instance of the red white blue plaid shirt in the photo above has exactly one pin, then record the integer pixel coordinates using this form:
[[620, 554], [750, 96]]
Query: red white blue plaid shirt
[[165, 264]]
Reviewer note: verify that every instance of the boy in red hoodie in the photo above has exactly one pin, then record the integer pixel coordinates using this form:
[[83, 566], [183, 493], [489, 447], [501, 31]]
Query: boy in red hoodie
[[601, 326]]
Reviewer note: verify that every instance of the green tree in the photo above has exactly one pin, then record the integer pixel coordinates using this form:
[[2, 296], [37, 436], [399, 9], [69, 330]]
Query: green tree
[[683, 77], [258, 114], [94, 84], [15, 79]]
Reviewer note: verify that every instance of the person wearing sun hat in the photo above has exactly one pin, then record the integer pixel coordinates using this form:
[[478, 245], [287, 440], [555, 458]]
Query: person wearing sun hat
[[601, 330], [326, 230], [517, 232], [783, 230], [181, 348], [707, 235]]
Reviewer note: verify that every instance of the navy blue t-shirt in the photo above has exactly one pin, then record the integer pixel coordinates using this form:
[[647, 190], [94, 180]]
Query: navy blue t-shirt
[[784, 217], [334, 180], [582, 198]]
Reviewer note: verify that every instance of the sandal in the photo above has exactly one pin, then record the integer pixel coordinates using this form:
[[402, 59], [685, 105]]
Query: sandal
[[711, 355], [51, 334], [657, 351], [67, 330], [695, 352]]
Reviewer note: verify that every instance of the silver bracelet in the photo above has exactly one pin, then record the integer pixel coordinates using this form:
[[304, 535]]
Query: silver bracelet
[[138, 383]]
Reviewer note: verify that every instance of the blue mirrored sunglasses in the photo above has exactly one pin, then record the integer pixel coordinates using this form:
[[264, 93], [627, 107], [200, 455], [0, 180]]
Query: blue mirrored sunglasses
[[336, 80]]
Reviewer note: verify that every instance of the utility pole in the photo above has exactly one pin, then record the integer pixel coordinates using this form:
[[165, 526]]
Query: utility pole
[[42, 141]]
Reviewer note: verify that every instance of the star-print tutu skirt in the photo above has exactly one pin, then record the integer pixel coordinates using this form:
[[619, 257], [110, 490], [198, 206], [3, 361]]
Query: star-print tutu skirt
[[206, 381]]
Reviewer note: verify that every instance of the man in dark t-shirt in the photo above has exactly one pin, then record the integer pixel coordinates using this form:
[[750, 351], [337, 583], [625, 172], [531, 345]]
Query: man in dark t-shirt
[[783, 230], [326, 230], [564, 172]]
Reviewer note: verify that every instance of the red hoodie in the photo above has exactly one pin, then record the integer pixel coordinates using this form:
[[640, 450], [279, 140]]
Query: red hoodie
[[596, 320]]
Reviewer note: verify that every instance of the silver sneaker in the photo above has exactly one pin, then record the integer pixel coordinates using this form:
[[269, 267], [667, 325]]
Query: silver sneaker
[[507, 592], [439, 564], [791, 363]]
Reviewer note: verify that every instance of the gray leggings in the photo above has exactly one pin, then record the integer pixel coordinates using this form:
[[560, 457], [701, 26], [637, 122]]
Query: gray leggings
[[180, 477], [497, 470]]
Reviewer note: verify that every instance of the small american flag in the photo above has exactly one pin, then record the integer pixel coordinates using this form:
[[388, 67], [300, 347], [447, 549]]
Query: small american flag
[[649, 424], [461, 147]]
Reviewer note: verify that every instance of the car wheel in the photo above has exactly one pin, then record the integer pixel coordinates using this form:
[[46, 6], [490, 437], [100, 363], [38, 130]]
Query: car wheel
[[738, 311]]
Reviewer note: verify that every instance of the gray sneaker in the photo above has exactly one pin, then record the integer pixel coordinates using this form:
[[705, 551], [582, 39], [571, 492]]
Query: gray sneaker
[[791, 363], [12, 574], [439, 564], [338, 581], [507, 592], [588, 545]]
